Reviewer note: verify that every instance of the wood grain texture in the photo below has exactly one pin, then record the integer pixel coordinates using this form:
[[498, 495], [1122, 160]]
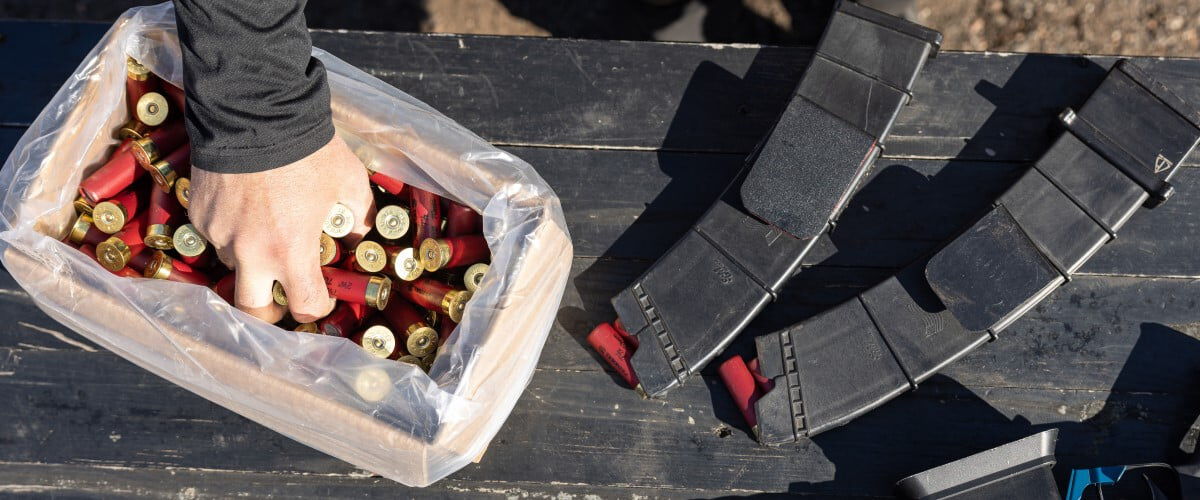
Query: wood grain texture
[[637, 138]]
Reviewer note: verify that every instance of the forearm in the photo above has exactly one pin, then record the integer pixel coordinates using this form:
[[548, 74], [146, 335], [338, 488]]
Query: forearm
[[257, 99]]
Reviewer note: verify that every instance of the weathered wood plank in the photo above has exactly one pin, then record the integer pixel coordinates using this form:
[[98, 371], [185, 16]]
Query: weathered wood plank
[[648, 95], [32, 480], [578, 428]]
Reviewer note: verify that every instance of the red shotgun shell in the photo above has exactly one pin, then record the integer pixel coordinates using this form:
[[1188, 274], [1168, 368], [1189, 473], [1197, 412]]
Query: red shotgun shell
[[138, 81], [630, 340], [164, 267], [225, 287], [419, 338], [607, 342], [162, 216], [390, 184], [427, 216], [461, 220], [445, 329], [158, 143], [114, 176], [355, 287], [344, 320], [115, 252], [453, 251], [764, 384], [392, 221], [175, 165], [403, 263], [183, 191], [473, 276], [125, 272], [435, 296], [112, 214], [379, 340], [742, 388], [370, 257], [151, 109], [331, 250], [84, 232], [188, 242]]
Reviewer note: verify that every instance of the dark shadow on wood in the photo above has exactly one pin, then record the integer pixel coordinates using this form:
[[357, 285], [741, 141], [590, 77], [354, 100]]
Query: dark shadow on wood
[[1124, 430], [710, 88]]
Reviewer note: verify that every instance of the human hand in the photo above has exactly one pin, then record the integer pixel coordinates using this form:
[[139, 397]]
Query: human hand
[[267, 226]]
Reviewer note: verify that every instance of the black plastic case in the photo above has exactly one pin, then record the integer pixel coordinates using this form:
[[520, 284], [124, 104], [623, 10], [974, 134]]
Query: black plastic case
[[854, 357], [691, 303]]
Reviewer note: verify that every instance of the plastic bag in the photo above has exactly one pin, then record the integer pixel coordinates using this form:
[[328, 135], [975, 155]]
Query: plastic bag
[[387, 417]]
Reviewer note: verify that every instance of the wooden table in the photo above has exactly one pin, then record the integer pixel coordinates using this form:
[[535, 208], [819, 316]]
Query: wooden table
[[637, 138]]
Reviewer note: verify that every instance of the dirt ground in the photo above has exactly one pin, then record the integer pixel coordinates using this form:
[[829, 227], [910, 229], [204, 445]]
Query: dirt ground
[[1128, 27]]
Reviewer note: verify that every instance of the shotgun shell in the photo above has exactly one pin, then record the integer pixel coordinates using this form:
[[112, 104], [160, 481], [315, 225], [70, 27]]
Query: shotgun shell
[[115, 252], [224, 287], [608, 344], [83, 232], [132, 129], [370, 257], [435, 295], [183, 191], [138, 82], [427, 362], [140, 261], [473, 276], [125, 272], [419, 338], [453, 251], [307, 328], [151, 109], [742, 388], [167, 170], [331, 251], [379, 341], [82, 206], [630, 340], [114, 176], [372, 385], [764, 384], [410, 359], [202, 261], [445, 329], [159, 142], [188, 242], [390, 184], [344, 320], [111, 215], [391, 221], [361, 288], [426, 215], [278, 294], [403, 263], [339, 222], [461, 220], [163, 267], [176, 96], [163, 213]]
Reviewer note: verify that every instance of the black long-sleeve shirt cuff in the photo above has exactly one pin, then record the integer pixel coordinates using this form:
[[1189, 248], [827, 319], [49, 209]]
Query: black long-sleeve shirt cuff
[[256, 98]]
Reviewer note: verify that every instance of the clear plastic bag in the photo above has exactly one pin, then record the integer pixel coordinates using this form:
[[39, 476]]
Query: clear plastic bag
[[386, 417]]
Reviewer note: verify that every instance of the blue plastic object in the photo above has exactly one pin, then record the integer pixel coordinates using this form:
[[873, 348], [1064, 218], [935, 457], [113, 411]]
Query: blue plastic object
[[1082, 478]]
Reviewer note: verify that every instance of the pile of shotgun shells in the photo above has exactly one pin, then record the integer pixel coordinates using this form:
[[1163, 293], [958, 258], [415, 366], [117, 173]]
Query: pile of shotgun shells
[[400, 292]]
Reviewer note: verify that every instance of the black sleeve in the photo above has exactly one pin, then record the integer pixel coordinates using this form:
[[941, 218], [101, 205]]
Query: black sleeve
[[256, 98]]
